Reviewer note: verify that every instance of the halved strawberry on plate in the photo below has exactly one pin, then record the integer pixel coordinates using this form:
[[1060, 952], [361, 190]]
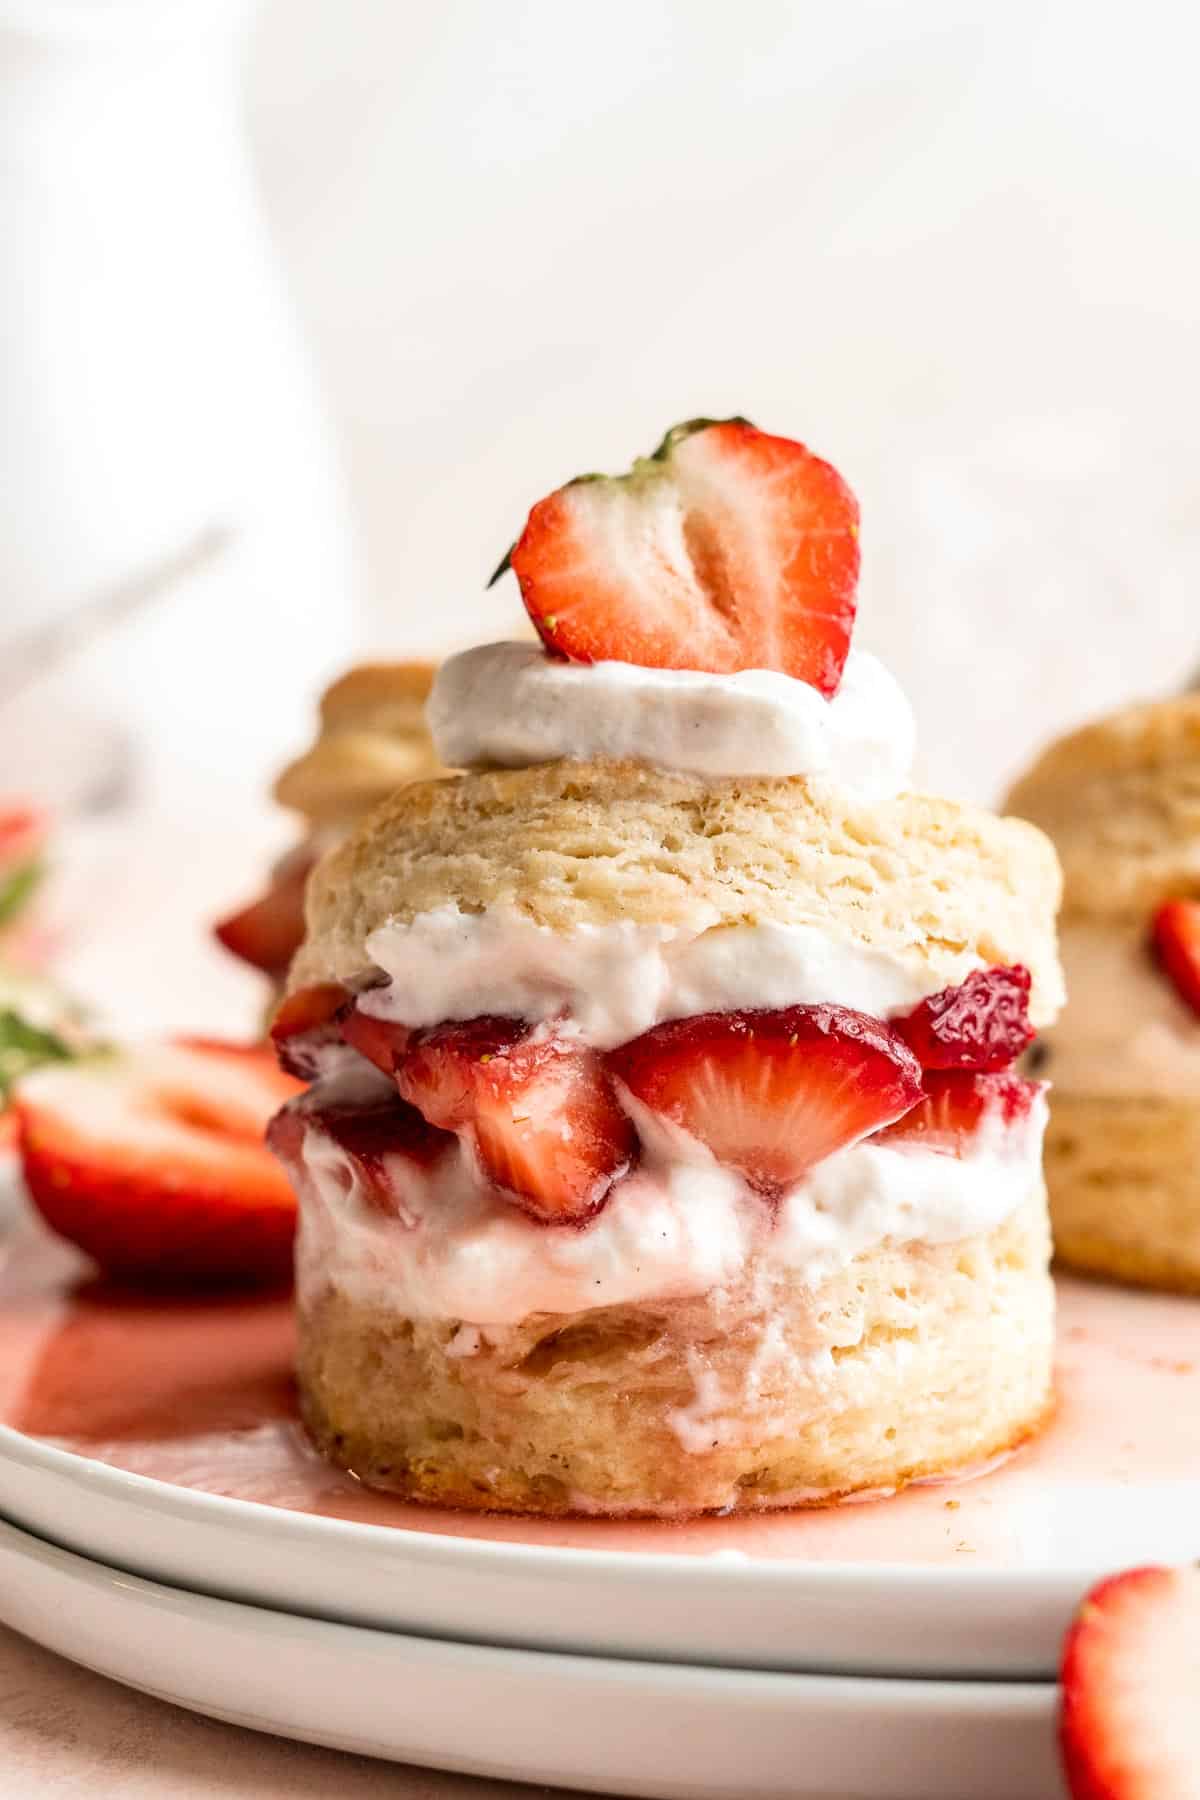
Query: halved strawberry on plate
[[726, 549], [539, 1108], [1129, 1723], [772, 1093], [153, 1161]]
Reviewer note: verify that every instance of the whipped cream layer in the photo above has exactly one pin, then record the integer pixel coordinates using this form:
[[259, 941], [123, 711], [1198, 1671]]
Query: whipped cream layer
[[614, 981], [680, 1225], [510, 705], [1125, 1032]]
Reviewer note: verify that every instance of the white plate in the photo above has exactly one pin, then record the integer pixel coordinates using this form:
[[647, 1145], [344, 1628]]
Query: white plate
[[978, 1579], [724, 1608], [590, 1722]]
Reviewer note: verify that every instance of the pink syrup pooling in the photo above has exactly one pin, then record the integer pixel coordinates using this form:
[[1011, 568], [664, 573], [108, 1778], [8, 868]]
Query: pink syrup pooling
[[197, 1391]]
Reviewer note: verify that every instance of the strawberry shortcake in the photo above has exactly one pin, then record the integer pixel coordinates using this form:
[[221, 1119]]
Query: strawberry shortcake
[[1121, 799], [664, 1150], [372, 738]]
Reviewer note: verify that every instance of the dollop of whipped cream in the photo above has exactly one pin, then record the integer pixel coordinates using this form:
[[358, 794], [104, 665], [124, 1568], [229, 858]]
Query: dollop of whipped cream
[[679, 1225], [615, 981], [511, 705]]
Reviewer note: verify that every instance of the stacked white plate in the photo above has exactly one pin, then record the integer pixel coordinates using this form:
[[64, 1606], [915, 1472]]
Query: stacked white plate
[[733, 1659]]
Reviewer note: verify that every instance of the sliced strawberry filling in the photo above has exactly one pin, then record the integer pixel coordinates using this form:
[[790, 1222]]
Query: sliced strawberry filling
[[982, 1024], [368, 1130], [309, 1023], [539, 1108], [955, 1105], [768, 1092], [772, 1093]]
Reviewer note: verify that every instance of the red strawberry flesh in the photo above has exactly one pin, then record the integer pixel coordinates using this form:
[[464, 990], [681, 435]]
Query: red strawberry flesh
[[153, 1161], [23, 832], [955, 1104], [728, 549], [267, 933], [772, 1093], [381, 1041], [1176, 938], [539, 1108], [307, 1024], [982, 1024], [368, 1129], [1129, 1720]]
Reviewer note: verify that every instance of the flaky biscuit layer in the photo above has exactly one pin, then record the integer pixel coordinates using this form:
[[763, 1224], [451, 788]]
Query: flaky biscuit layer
[[1124, 1180], [915, 1360], [574, 844]]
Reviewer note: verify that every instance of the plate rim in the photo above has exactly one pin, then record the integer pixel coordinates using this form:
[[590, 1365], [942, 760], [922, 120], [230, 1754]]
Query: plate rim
[[839, 1687], [717, 1568]]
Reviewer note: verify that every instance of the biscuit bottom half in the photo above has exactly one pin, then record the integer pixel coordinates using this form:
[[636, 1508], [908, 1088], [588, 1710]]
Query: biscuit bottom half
[[1124, 1179], [914, 1360]]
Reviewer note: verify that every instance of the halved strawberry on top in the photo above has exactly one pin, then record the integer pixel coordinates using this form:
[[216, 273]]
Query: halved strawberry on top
[[539, 1108], [771, 1093], [153, 1160], [726, 549], [982, 1024], [954, 1106]]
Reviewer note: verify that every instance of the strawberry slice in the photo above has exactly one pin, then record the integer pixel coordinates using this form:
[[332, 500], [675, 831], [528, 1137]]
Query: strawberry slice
[[727, 549], [983, 1023], [955, 1105], [307, 1024], [540, 1110], [1176, 935], [381, 1041], [771, 1093], [153, 1161], [369, 1129], [267, 933], [1129, 1720]]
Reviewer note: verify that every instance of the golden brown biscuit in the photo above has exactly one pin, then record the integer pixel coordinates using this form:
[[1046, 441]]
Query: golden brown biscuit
[[783, 1383], [1121, 800], [1124, 1178], [373, 739], [913, 1360], [570, 844]]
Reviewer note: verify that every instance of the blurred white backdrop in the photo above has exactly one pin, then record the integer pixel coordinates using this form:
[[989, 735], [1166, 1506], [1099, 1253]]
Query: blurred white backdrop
[[950, 244]]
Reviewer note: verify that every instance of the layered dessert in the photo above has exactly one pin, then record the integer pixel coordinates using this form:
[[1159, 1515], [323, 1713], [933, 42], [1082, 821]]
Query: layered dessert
[[372, 738], [664, 1151], [1121, 799]]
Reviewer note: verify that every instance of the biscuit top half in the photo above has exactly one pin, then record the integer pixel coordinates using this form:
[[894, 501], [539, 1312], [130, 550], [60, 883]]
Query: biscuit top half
[[569, 845]]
